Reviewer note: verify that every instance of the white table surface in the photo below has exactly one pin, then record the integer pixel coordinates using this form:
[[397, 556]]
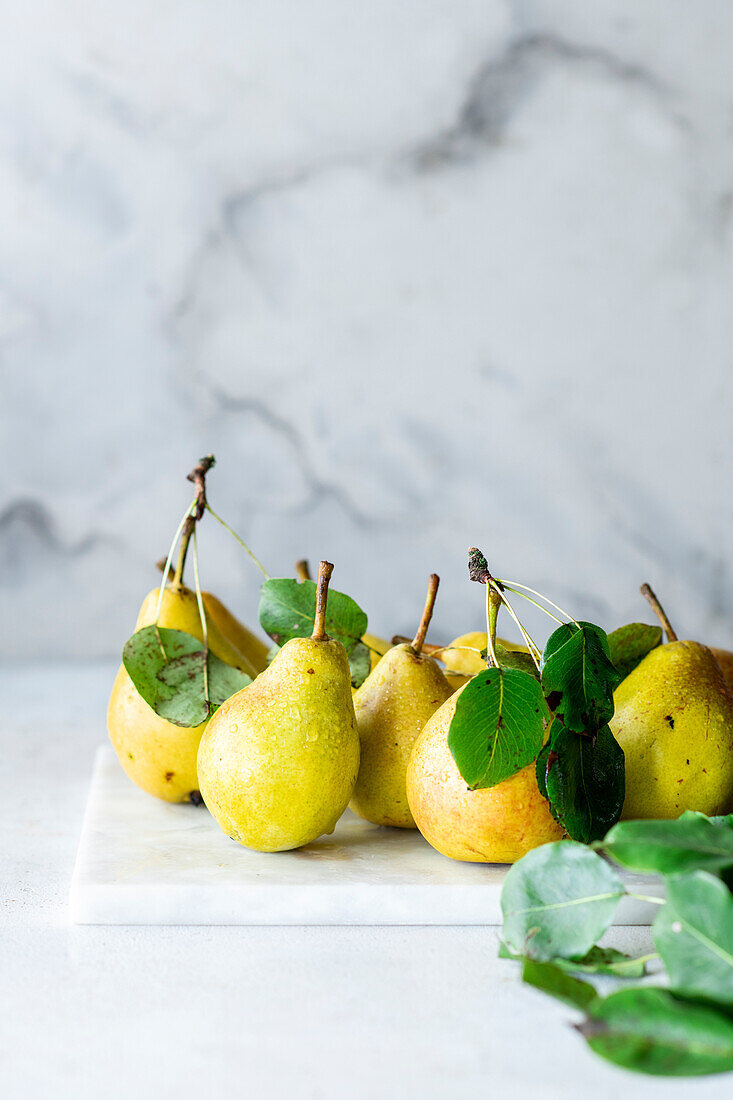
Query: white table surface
[[315, 1012]]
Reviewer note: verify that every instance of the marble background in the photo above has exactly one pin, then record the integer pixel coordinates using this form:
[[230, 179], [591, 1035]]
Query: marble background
[[422, 275]]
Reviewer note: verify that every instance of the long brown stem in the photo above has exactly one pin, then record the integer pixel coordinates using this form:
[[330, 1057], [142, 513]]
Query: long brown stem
[[649, 595], [302, 572], [325, 569], [419, 639], [198, 477]]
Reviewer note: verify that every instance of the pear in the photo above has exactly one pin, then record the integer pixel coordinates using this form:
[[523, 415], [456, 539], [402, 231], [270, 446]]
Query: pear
[[377, 648], [674, 720], [393, 704], [278, 761], [497, 824], [462, 657], [159, 756]]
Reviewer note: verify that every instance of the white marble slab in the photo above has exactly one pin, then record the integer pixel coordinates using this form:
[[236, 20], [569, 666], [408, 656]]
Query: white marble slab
[[142, 861]]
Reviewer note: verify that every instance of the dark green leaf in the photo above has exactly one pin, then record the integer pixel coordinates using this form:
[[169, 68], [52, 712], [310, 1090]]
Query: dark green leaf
[[651, 1031], [360, 664], [558, 900], [693, 934], [558, 983], [691, 842], [578, 678], [288, 607], [599, 960], [584, 782], [497, 727], [167, 668], [629, 645]]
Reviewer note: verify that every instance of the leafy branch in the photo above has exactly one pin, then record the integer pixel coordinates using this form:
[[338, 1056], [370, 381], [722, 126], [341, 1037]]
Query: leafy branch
[[561, 898]]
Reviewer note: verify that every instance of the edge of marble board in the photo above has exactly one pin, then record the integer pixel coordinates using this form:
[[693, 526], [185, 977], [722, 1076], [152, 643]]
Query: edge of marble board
[[260, 904]]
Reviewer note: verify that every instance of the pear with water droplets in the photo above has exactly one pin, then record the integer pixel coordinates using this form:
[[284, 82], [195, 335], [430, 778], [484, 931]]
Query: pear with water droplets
[[278, 761], [392, 705], [674, 720]]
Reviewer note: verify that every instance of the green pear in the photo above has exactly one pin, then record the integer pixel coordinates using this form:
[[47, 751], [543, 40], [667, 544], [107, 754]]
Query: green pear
[[674, 720], [278, 761], [157, 755], [393, 704]]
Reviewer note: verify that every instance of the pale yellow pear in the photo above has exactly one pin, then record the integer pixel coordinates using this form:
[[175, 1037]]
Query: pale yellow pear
[[392, 706], [249, 645], [463, 654], [157, 755], [674, 720], [377, 648], [278, 761], [498, 824]]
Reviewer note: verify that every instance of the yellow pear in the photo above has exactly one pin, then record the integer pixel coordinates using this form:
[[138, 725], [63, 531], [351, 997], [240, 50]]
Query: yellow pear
[[498, 824], [392, 706], [159, 756], [674, 720], [278, 761], [377, 648], [463, 654]]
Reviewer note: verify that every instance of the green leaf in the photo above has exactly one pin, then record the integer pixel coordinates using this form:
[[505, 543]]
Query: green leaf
[[558, 983], [578, 678], [497, 727], [360, 664], [558, 900], [606, 960], [693, 933], [629, 645], [584, 781], [599, 960], [288, 607], [724, 819], [515, 658], [652, 1031], [167, 668], [691, 842]]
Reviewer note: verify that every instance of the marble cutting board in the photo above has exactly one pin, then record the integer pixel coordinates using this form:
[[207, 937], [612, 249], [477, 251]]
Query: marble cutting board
[[142, 861]]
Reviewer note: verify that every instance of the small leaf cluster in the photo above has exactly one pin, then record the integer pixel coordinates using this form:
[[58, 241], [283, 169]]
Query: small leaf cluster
[[560, 899], [510, 716]]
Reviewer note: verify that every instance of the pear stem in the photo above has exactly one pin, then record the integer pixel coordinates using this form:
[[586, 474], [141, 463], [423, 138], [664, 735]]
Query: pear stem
[[325, 569], [302, 572], [648, 594], [198, 477], [419, 639], [493, 603]]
